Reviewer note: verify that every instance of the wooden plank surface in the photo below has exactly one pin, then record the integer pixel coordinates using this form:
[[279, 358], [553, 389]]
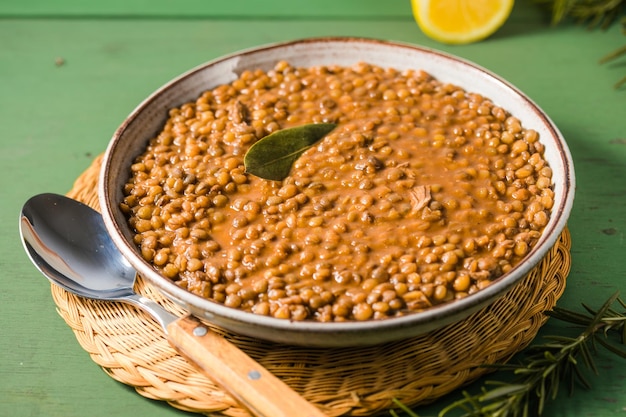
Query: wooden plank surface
[[71, 71], [352, 9]]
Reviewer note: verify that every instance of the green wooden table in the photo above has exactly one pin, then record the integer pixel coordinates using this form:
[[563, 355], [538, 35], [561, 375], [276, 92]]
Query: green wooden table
[[71, 71]]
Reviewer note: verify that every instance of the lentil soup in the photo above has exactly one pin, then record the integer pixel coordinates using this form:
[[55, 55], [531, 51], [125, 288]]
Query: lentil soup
[[424, 193]]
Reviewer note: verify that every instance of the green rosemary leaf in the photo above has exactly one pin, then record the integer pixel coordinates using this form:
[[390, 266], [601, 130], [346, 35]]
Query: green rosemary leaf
[[615, 322], [402, 407], [555, 379], [526, 411], [568, 316], [588, 358], [460, 404], [561, 339], [606, 306], [501, 366], [613, 55], [271, 158], [589, 309], [549, 356], [623, 335], [526, 370], [503, 391], [580, 377], [566, 376], [620, 83], [610, 346], [541, 395]]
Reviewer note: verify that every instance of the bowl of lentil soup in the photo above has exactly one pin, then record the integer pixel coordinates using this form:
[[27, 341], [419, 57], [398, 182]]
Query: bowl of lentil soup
[[440, 188]]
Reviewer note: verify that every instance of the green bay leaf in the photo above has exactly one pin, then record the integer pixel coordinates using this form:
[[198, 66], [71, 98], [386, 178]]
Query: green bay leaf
[[271, 158]]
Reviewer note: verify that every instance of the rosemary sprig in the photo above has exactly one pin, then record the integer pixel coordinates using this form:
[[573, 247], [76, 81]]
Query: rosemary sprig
[[545, 367], [594, 13], [616, 54]]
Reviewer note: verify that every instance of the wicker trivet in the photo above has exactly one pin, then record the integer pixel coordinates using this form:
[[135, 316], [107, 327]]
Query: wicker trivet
[[132, 349]]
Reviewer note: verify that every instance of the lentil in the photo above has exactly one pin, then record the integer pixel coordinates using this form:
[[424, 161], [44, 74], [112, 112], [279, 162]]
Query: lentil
[[423, 194]]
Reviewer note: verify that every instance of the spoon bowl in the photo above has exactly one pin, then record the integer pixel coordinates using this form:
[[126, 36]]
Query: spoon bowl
[[67, 241]]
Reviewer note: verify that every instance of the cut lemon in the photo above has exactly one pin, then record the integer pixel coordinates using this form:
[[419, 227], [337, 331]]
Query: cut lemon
[[460, 21]]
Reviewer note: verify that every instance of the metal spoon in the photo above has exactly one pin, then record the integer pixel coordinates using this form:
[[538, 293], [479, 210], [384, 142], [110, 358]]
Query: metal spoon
[[68, 243]]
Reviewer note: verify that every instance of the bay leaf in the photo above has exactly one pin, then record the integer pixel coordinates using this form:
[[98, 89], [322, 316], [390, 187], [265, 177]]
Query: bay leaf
[[271, 158]]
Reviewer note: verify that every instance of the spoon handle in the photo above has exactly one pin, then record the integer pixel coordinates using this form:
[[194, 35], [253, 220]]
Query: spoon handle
[[245, 379]]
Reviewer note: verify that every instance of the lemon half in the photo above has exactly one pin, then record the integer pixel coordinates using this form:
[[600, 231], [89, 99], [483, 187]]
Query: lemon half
[[460, 21]]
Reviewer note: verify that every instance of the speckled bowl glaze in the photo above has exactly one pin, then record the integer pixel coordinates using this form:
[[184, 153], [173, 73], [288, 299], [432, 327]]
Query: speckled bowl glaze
[[149, 117]]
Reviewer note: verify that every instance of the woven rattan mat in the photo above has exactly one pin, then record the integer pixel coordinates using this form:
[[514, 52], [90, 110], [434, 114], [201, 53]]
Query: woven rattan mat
[[361, 381]]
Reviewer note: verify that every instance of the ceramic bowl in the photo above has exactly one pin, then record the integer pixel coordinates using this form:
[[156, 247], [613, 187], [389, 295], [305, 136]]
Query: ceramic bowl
[[148, 118]]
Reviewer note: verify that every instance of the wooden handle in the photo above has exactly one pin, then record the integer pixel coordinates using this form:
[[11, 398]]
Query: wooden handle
[[241, 376]]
